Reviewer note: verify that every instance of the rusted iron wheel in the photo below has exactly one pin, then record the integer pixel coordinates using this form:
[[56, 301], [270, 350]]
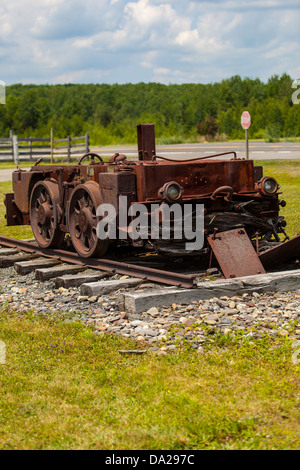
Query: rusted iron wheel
[[82, 220], [44, 201]]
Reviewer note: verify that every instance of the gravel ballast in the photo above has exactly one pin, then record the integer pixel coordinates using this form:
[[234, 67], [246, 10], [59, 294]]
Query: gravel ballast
[[162, 328]]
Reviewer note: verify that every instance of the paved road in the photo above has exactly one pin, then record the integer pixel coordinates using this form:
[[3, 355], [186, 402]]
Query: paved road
[[5, 175], [257, 151]]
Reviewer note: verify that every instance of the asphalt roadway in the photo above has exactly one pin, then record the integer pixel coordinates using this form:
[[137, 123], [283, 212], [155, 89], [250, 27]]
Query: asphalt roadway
[[257, 151]]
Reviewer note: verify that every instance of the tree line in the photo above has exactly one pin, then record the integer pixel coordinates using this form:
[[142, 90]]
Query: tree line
[[183, 112]]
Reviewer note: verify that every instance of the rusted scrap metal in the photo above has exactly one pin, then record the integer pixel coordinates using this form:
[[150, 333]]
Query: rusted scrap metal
[[146, 141], [60, 201], [281, 253], [235, 253]]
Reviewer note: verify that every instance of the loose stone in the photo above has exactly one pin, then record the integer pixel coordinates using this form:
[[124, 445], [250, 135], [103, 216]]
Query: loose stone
[[274, 314]]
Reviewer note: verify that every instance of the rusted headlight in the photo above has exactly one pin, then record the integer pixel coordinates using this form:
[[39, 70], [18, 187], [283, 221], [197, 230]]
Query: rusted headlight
[[171, 192], [268, 185]]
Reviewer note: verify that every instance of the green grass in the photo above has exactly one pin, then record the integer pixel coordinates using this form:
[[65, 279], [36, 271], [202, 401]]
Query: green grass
[[287, 174], [63, 387], [57, 161], [17, 231], [8, 165]]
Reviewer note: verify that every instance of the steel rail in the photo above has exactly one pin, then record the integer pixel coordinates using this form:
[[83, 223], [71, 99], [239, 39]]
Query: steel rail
[[112, 266]]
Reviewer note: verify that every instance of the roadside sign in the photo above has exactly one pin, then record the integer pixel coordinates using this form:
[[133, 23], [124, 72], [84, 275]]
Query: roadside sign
[[246, 120]]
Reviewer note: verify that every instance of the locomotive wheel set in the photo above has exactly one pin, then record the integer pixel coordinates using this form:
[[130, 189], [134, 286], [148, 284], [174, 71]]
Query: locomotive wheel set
[[241, 206]]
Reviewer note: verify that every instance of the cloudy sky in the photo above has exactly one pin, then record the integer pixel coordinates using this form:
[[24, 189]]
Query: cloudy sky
[[167, 41]]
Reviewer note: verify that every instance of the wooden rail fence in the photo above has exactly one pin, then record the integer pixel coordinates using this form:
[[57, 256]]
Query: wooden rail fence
[[6, 148], [21, 149]]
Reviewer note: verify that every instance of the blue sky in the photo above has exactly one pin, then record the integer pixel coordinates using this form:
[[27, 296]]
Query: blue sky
[[167, 41]]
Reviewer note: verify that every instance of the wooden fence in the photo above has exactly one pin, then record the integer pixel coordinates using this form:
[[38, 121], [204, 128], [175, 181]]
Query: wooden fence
[[6, 149], [20, 149]]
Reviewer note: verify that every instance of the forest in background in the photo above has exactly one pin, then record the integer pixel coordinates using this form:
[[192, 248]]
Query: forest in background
[[187, 112]]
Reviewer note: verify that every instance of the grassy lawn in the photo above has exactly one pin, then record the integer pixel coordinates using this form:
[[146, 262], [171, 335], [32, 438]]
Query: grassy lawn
[[63, 387], [287, 174], [57, 161], [17, 231]]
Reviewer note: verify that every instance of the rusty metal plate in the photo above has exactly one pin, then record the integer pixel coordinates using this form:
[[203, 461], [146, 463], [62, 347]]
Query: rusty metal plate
[[235, 253], [197, 178], [146, 141], [282, 253]]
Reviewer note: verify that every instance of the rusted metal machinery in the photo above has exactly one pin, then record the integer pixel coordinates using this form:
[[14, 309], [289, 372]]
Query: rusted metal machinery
[[241, 206]]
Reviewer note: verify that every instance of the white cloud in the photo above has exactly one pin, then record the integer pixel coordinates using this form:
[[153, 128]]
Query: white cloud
[[147, 40], [162, 71], [83, 42], [190, 38]]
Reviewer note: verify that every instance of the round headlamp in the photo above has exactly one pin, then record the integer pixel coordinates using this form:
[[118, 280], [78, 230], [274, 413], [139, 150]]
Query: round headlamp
[[171, 192], [268, 186]]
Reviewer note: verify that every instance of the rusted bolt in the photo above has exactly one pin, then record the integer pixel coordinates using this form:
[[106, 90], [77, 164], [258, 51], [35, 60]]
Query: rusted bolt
[[215, 233]]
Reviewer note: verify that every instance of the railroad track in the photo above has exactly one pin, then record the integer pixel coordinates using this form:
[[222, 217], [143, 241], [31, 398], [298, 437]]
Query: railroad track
[[94, 278], [23, 256], [68, 269]]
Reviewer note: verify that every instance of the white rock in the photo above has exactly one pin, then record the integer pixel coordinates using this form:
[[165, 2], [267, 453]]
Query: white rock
[[153, 311]]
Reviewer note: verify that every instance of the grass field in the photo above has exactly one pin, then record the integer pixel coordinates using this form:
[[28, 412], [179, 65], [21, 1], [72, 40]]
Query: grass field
[[63, 387], [287, 173], [21, 231]]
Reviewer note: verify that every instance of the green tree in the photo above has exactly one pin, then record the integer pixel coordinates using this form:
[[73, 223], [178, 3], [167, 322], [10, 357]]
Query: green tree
[[209, 127], [111, 112]]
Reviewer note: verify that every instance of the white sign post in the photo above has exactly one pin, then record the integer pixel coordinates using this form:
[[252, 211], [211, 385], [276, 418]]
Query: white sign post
[[246, 121]]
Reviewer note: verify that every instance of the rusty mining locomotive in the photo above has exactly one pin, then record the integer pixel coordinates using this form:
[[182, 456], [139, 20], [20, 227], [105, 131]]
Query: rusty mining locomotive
[[60, 201]]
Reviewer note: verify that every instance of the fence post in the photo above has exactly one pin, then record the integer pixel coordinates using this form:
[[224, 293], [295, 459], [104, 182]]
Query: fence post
[[51, 145], [69, 148], [11, 143], [15, 149], [30, 148], [87, 143], [11, 133]]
